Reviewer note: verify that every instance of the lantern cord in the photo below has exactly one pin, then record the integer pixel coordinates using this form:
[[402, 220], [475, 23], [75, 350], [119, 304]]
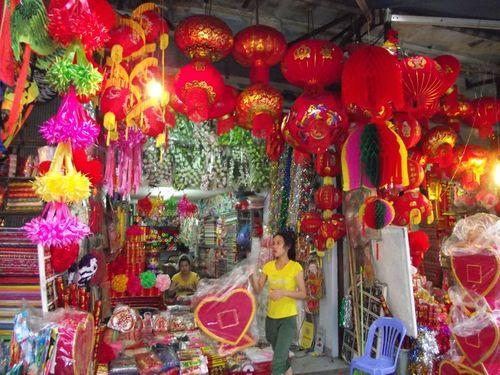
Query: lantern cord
[[208, 7], [256, 12]]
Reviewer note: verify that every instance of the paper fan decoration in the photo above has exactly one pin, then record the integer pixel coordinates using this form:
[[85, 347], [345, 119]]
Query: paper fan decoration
[[437, 145], [374, 156], [376, 213]]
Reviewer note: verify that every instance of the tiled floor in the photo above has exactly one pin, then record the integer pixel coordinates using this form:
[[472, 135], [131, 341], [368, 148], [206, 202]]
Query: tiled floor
[[303, 364]]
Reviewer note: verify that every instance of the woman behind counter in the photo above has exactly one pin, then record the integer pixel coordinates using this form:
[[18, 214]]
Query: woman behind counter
[[185, 281]]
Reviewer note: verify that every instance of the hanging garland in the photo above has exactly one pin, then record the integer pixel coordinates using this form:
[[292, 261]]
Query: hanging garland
[[285, 193]]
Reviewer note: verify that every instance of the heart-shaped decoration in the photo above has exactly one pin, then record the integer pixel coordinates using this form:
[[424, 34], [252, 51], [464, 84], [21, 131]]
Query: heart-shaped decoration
[[452, 368], [226, 317], [482, 344], [62, 257], [226, 349], [478, 272]]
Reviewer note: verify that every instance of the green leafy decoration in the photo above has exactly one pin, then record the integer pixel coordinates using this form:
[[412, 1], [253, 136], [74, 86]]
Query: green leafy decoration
[[370, 153], [379, 214]]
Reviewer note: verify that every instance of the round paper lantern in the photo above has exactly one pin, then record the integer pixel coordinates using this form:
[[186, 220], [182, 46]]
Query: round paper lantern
[[124, 41], [314, 122], [198, 85], [416, 174], [328, 164], [485, 113], [204, 37], [328, 198], [153, 24], [332, 229], [452, 107], [312, 64], [438, 145], [451, 69], [258, 108], [411, 208], [371, 83], [408, 128], [376, 213], [275, 145], [259, 47], [309, 222], [423, 85]]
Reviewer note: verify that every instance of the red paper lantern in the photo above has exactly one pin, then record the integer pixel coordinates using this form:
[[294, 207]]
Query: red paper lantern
[[332, 229], [309, 222], [203, 37], [408, 128], [411, 208], [452, 107], [328, 198], [328, 164], [258, 108], [371, 83], [127, 38], [451, 69], [199, 86], [416, 174], [312, 64], [275, 145], [62, 257], [115, 100], [438, 145], [154, 25], [314, 122], [423, 85], [485, 113], [259, 47], [223, 110]]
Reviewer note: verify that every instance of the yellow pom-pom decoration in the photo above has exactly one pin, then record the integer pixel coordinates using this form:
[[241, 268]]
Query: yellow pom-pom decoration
[[119, 283], [55, 187]]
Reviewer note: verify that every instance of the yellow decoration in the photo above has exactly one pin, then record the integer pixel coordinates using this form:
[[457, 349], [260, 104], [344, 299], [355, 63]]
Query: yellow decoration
[[119, 283]]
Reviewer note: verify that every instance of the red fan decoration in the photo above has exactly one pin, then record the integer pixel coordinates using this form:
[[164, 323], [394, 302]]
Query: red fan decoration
[[258, 108], [438, 145], [451, 69], [223, 110], [312, 64], [259, 47], [199, 86], [371, 83], [408, 128], [314, 122], [62, 257], [328, 164], [423, 84], [485, 113], [275, 144], [204, 37]]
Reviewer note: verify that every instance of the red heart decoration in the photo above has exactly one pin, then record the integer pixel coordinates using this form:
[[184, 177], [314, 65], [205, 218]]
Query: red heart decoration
[[227, 349], [479, 346], [478, 272], [452, 368], [226, 317], [62, 257]]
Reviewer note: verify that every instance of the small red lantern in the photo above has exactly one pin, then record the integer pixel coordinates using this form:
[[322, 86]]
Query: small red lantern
[[451, 69], [371, 82], [259, 47], [328, 198], [328, 164], [438, 145], [124, 41], [275, 144], [416, 174], [199, 86], [314, 122], [411, 208], [223, 110], [114, 106], [423, 84], [408, 128], [332, 229], [203, 37], [485, 113], [309, 222], [258, 108], [312, 64], [452, 107]]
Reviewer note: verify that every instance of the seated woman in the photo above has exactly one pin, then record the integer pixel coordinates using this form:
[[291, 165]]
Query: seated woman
[[184, 282]]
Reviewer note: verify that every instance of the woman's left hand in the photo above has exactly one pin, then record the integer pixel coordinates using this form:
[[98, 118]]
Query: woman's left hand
[[276, 294]]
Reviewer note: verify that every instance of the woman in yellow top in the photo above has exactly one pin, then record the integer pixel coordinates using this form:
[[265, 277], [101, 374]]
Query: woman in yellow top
[[184, 282], [286, 286]]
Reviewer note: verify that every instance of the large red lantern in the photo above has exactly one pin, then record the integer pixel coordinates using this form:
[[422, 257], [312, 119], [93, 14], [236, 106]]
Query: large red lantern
[[125, 41], [423, 85], [258, 108], [438, 145], [408, 128], [154, 123], [259, 47], [199, 86], [332, 229], [416, 174], [275, 145], [314, 122], [328, 164], [451, 69], [312, 64], [485, 112], [204, 37], [328, 198], [309, 222], [371, 83]]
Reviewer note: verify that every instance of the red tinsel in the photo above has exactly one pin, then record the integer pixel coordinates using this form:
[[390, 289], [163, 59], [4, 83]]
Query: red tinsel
[[144, 206], [62, 257], [419, 244]]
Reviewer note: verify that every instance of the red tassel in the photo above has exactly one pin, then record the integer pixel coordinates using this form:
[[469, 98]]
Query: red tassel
[[259, 74], [262, 125], [197, 104]]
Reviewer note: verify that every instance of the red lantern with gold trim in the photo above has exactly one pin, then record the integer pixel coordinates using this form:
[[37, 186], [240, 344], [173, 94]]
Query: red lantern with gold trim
[[204, 37], [223, 110], [332, 229], [275, 145], [411, 208], [309, 222], [314, 122], [408, 128], [328, 198], [258, 108], [312, 64], [328, 164], [438, 145], [451, 69], [259, 47], [199, 86], [416, 174], [485, 113], [153, 24]]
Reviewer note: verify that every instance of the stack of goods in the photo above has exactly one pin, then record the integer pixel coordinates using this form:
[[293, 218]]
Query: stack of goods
[[430, 311], [216, 363], [209, 236], [19, 278], [21, 197], [230, 224], [192, 362]]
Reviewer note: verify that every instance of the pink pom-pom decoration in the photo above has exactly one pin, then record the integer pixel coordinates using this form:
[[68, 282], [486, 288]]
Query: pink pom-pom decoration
[[71, 124], [185, 208], [162, 282], [56, 227]]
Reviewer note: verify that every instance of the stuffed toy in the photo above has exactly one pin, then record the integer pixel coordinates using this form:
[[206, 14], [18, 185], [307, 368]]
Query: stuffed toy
[[86, 269]]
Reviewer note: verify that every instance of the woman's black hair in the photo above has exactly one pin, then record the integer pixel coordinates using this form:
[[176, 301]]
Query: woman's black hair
[[183, 258], [289, 238]]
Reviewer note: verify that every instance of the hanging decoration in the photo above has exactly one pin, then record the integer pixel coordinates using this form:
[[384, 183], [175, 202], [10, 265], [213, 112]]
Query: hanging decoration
[[327, 198], [331, 230], [374, 156], [275, 145], [437, 145], [376, 213], [408, 128], [484, 114], [328, 164], [451, 70], [411, 208], [223, 110]]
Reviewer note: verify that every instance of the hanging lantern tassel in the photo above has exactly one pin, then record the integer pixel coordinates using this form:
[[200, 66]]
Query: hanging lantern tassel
[[109, 124], [262, 124]]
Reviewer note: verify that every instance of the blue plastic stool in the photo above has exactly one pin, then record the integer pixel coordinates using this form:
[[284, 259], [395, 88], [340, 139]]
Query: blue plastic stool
[[391, 333]]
